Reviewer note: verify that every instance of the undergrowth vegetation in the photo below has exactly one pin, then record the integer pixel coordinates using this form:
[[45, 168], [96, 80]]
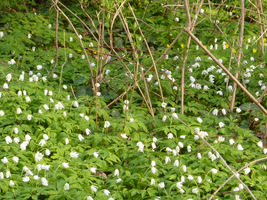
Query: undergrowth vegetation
[[116, 100]]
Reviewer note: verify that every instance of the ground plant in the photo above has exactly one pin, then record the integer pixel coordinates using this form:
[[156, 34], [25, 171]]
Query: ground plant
[[133, 99]]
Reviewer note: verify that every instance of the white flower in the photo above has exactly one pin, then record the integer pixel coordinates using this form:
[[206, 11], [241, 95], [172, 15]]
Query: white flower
[[2, 175], [153, 163], [116, 173], [23, 145], [66, 186], [182, 179], [153, 170], [176, 19], [189, 148], [239, 147], [124, 136], [2, 113], [107, 124], [98, 94], [118, 180], [153, 145], [199, 156], [199, 120], [152, 182], [8, 77], [38, 156], [126, 102], [260, 144], [29, 117], [19, 111], [161, 184], [45, 136], [170, 135], [28, 138], [25, 179], [94, 188], [167, 159], [8, 139], [221, 124], [80, 137], [221, 139], [15, 159], [220, 93], [42, 142], [214, 171], [11, 62], [106, 192], [89, 198], [205, 87], [74, 154], [215, 112], [175, 116], [87, 131], [179, 185], [265, 150], [181, 144], [231, 141], [36, 177], [238, 110], [59, 106], [96, 154], [4, 160], [39, 67], [44, 181], [46, 107], [184, 168], [11, 183], [163, 105], [93, 169], [8, 174], [67, 141], [247, 170], [199, 179], [190, 177], [1, 34], [131, 120], [195, 190], [65, 165], [5, 86], [141, 146], [212, 156], [176, 163], [47, 152], [76, 104], [164, 118]]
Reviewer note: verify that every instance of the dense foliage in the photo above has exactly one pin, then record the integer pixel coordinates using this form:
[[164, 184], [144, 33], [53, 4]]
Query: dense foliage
[[65, 136]]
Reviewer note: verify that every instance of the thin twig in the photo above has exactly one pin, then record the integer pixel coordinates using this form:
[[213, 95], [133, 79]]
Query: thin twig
[[242, 22], [226, 71], [261, 159], [219, 155], [56, 34]]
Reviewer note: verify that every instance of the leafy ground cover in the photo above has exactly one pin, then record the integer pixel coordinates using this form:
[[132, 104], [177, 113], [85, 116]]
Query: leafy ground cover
[[113, 126]]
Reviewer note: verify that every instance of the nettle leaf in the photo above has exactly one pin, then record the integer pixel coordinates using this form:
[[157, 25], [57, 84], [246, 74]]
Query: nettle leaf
[[249, 106]]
